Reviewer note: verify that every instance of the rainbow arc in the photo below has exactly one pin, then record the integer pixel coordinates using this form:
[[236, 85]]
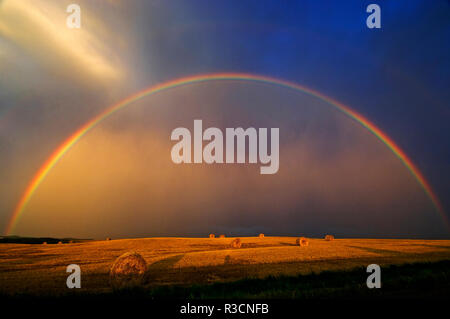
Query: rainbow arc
[[59, 152]]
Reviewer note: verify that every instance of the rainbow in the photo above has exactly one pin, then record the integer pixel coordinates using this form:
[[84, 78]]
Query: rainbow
[[77, 135]]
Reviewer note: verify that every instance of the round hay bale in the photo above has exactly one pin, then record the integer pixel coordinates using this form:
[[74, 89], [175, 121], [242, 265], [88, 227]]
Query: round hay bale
[[212, 236], [329, 237], [222, 236], [44, 243], [60, 243], [261, 235], [127, 271], [302, 241], [236, 243], [107, 238]]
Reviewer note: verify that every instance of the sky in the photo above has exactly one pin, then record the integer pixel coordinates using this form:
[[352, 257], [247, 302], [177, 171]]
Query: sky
[[118, 180]]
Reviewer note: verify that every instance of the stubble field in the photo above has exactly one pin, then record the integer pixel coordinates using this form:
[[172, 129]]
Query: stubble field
[[37, 269]]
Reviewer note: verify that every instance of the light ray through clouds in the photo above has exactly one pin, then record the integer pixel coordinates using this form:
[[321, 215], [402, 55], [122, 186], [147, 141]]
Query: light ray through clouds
[[39, 28]]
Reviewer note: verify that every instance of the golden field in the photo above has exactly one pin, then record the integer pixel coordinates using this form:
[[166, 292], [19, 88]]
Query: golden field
[[41, 269]]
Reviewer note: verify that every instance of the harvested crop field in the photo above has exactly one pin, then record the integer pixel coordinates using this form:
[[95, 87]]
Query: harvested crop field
[[41, 269]]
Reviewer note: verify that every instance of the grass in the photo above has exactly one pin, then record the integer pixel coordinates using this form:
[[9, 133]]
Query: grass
[[270, 267], [417, 280]]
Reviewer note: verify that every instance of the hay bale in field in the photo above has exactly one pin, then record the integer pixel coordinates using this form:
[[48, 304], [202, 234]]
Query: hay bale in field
[[261, 235], [222, 236], [236, 243], [302, 241], [60, 243], [127, 271], [107, 238], [329, 237], [44, 243], [212, 236]]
